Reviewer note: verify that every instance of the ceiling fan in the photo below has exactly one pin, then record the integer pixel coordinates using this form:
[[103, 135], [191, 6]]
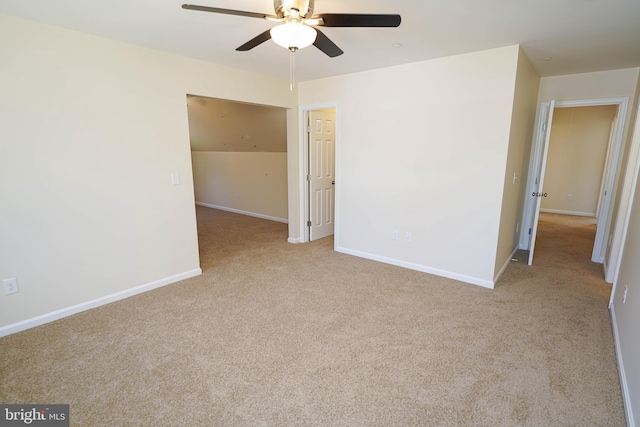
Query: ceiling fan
[[297, 25]]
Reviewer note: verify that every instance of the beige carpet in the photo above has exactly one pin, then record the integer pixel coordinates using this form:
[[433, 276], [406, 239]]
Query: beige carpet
[[276, 334]]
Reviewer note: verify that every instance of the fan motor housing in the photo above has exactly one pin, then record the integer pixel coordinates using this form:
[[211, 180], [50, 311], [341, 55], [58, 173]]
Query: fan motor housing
[[283, 7]]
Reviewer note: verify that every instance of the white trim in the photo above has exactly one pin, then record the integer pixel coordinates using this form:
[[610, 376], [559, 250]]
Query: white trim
[[302, 173], [574, 213], [75, 309], [607, 164], [418, 267], [505, 265], [238, 211], [626, 397], [296, 240]]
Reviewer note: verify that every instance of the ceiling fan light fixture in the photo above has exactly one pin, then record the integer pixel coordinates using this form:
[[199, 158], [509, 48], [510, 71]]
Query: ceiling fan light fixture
[[293, 35]]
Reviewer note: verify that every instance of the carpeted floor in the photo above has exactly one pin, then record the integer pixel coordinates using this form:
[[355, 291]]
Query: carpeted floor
[[276, 334]]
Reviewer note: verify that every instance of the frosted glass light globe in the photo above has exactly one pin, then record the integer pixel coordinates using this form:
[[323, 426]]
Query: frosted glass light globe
[[293, 35]]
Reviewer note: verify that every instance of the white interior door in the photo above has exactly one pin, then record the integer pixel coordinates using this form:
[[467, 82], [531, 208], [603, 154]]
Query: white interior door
[[538, 187], [605, 172], [321, 176]]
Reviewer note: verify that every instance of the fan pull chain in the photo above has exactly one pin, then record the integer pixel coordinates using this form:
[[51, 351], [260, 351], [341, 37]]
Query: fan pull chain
[[291, 70]]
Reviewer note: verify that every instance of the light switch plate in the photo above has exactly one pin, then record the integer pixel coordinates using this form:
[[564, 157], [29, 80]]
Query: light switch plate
[[175, 178]]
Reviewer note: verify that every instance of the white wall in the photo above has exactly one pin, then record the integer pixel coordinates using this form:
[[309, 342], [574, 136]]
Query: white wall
[[575, 162], [626, 315], [514, 185], [248, 183], [90, 131], [422, 148]]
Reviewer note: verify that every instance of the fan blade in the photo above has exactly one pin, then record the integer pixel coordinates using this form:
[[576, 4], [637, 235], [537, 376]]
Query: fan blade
[[326, 45], [226, 11], [358, 20], [261, 38]]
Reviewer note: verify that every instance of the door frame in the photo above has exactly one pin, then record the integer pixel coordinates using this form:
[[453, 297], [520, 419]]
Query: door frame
[[629, 189], [612, 178], [303, 162], [610, 144], [535, 157]]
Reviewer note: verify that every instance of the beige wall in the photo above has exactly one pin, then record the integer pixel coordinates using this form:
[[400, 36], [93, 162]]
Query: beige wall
[[248, 183], [90, 132], [422, 148], [576, 159], [515, 179]]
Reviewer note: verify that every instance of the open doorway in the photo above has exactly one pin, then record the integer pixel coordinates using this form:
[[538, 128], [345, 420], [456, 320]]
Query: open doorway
[[603, 175], [239, 156], [239, 160], [575, 175]]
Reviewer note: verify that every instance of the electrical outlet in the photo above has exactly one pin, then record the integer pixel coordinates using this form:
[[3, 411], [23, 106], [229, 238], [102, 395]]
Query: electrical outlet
[[394, 234], [407, 237], [624, 295], [569, 197], [10, 286]]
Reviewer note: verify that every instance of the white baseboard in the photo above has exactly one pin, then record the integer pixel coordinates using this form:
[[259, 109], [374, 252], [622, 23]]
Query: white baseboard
[[74, 309], [626, 398], [418, 267], [561, 212], [296, 240], [505, 265], [257, 215]]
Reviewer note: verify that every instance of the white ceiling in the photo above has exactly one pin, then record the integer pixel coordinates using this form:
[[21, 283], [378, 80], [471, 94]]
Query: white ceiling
[[578, 35]]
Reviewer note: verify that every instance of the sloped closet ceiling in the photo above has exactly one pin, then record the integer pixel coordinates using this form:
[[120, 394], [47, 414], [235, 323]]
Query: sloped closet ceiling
[[221, 125]]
